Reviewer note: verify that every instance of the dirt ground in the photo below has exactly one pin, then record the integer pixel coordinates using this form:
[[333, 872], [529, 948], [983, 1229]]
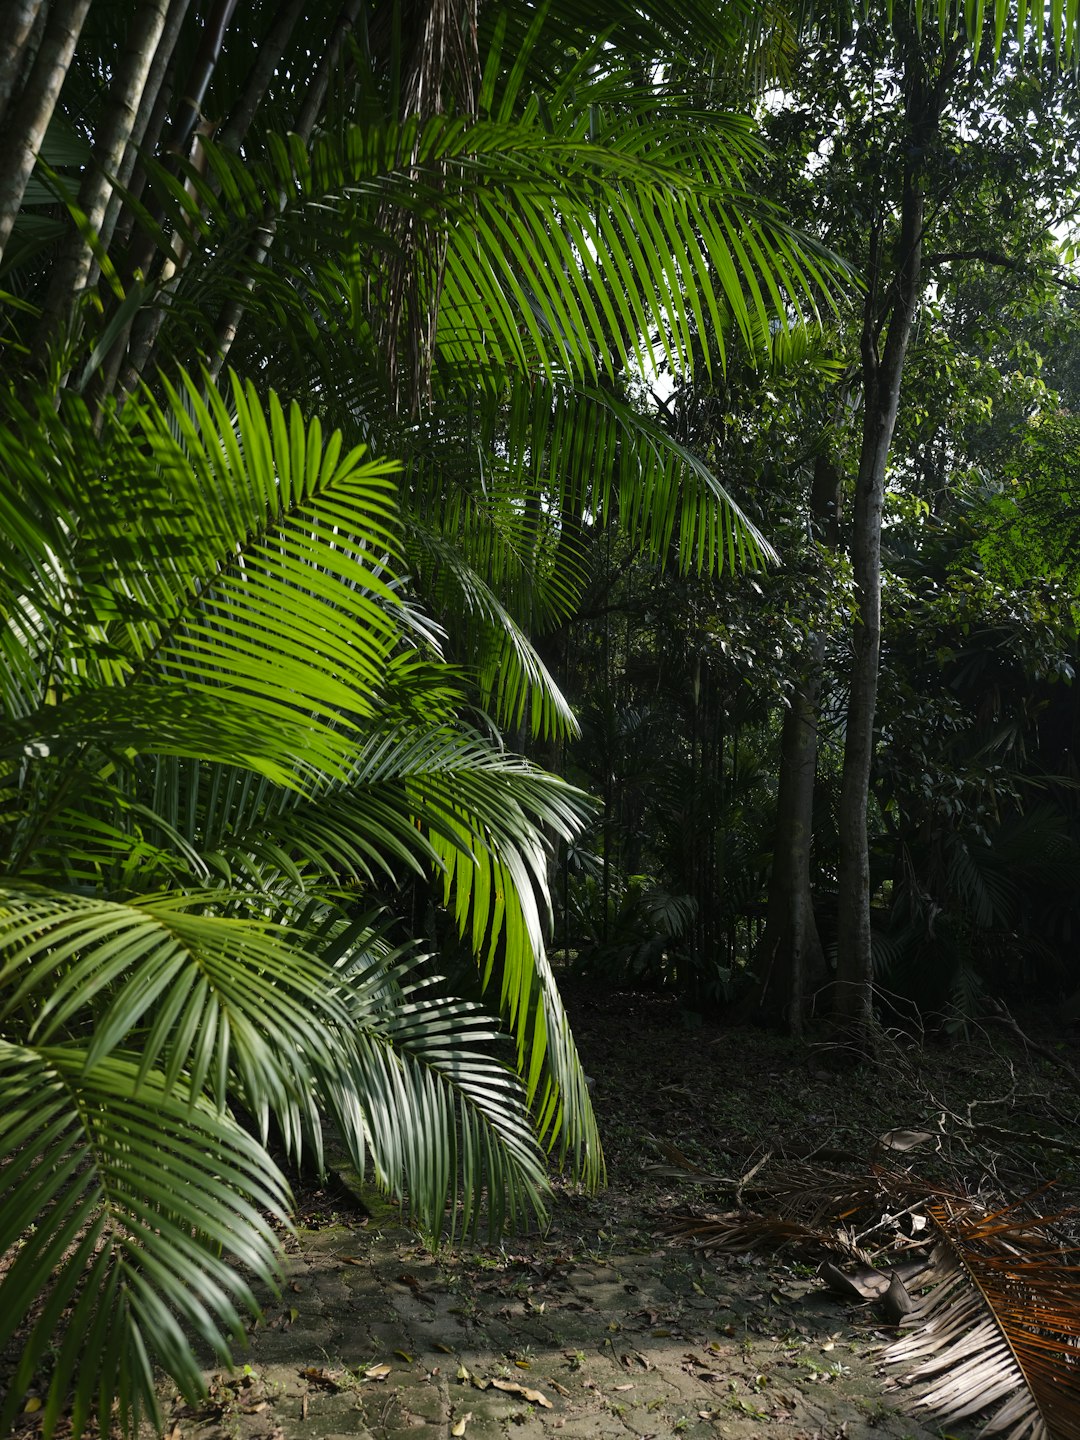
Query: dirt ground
[[605, 1325]]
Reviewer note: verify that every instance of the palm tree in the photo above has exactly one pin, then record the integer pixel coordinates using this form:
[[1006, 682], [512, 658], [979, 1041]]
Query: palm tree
[[230, 727], [232, 730], [223, 722]]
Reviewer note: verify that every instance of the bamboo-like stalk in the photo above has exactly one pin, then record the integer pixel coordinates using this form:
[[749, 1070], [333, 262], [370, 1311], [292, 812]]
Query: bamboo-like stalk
[[25, 129], [71, 272], [229, 321], [16, 40], [149, 108]]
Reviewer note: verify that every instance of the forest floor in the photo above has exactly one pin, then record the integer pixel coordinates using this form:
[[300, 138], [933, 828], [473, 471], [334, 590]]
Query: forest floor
[[608, 1326]]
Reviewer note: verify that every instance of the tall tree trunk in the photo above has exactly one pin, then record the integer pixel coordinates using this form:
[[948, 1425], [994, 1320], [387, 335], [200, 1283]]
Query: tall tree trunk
[[149, 120], [30, 113], [71, 273], [882, 373], [228, 323], [790, 956], [16, 41]]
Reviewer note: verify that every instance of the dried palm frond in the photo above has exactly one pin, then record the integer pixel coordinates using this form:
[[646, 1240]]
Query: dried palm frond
[[740, 1231], [819, 1199], [1000, 1322]]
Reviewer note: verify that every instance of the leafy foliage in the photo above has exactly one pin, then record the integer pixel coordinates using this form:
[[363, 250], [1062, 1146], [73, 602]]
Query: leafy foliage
[[221, 728]]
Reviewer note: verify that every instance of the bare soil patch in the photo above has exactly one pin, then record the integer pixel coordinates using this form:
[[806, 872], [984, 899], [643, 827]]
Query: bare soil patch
[[605, 1325]]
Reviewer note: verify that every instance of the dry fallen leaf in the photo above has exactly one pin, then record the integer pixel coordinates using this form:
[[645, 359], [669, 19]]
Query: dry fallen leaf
[[377, 1372], [318, 1376], [897, 1301], [858, 1282], [901, 1139], [534, 1396], [458, 1427]]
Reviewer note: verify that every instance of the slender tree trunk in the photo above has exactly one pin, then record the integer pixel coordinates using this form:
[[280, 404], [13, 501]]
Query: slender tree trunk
[[16, 40], [229, 321], [71, 273], [882, 372], [150, 118], [232, 133], [24, 128], [790, 956]]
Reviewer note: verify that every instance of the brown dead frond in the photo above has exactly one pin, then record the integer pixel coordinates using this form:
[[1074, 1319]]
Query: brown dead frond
[[1000, 1322], [996, 1327], [740, 1232]]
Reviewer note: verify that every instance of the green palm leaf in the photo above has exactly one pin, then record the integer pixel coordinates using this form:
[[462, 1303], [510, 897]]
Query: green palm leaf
[[444, 1120], [569, 240], [218, 1002], [137, 1191]]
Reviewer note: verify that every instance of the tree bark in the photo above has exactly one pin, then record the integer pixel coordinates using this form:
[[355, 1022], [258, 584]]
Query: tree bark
[[71, 273], [151, 110], [30, 114], [790, 954], [16, 39], [882, 374], [228, 323]]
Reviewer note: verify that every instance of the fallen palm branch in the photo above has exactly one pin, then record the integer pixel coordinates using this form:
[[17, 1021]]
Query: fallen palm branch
[[995, 1323], [999, 1322]]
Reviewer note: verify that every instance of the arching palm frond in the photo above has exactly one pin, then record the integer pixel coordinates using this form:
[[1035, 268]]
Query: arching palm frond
[[122, 1196], [569, 242], [440, 795], [511, 677], [225, 711], [420, 1054]]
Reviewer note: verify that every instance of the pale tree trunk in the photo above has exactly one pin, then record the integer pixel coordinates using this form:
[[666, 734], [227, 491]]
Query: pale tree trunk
[[16, 42], [230, 136], [790, 956], [183, 141], [31, 111], [71, 273], [151, 105], [120, 218], [882, 373]]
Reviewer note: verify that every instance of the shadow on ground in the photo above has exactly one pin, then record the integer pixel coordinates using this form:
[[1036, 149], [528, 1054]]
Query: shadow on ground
[[375, 1337], [598, 1328]]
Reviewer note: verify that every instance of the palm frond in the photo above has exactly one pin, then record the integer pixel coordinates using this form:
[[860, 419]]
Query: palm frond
[[444, 1120], [512, 679], [570, 241], [218, 1001], [128, 1202], [1000, 1322]]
